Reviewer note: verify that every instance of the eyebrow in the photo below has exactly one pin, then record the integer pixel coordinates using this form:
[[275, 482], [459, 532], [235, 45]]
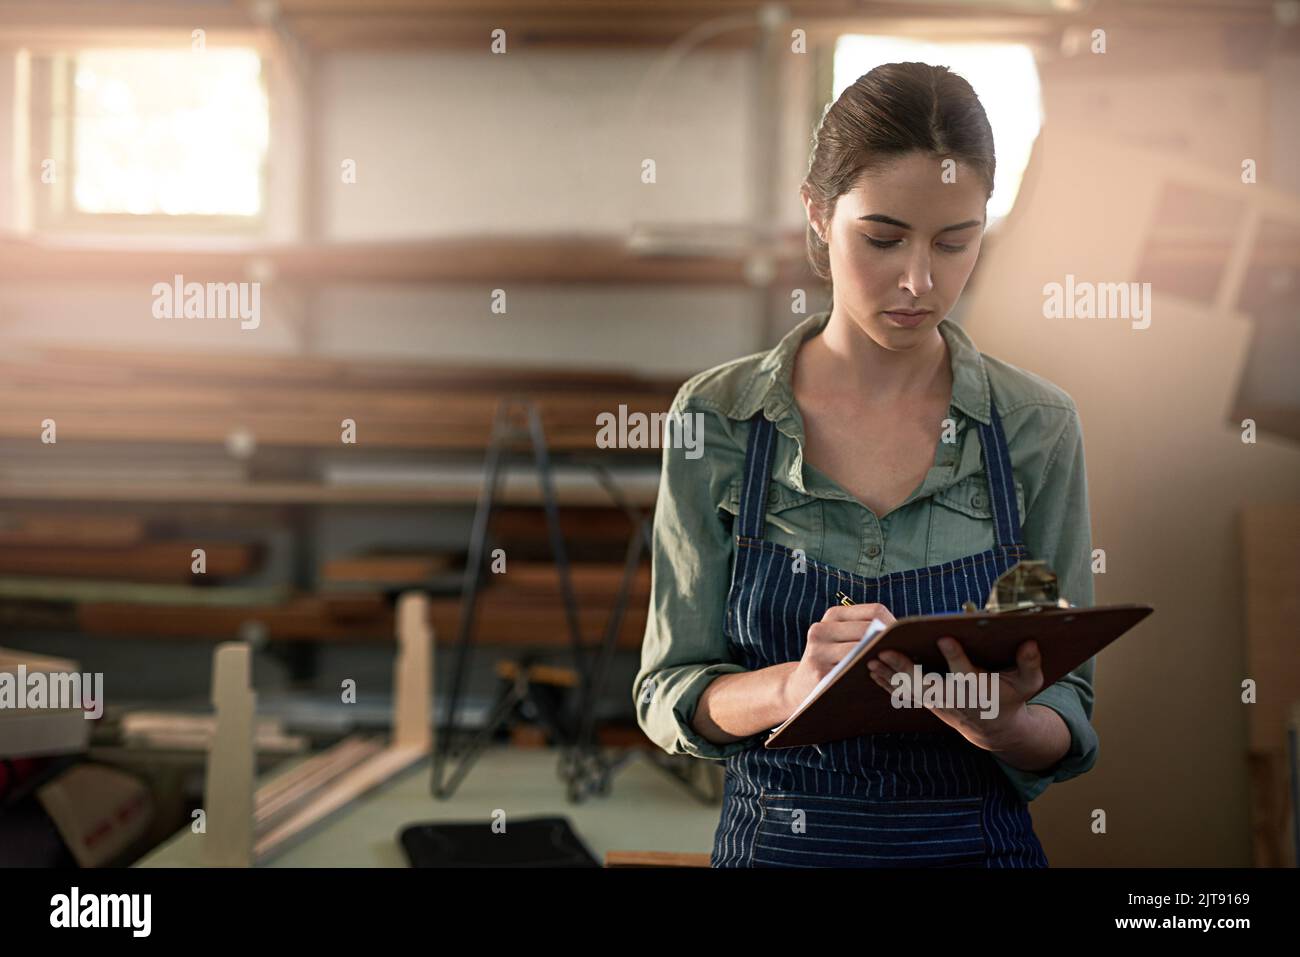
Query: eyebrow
[[891, 221]]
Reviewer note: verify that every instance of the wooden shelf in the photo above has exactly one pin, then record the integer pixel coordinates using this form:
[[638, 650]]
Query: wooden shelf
[[285, 402], [321, 25], [153, 561], [508, 614], [107, 367], [540, 623], [472, 259], [326, 25], [296, 493]]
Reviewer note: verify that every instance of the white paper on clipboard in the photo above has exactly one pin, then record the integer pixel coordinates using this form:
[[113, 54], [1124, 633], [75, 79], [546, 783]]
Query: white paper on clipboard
[[875, 628]]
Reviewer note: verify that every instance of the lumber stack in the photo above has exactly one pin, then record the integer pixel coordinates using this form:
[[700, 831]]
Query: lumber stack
[[99, 395], [154, 451]]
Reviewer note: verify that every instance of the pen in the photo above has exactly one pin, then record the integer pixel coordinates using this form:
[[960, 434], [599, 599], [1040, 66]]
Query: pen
[[844, 599]]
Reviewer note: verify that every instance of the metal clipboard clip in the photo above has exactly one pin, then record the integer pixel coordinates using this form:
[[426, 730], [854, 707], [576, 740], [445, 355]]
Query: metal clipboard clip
[[1024, 588]]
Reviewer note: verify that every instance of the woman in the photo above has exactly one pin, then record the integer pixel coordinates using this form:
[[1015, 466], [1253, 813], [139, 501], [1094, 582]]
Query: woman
[[874, 451]]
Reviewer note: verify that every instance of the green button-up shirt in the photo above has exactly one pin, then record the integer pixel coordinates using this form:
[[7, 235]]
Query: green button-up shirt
[[948, 517]]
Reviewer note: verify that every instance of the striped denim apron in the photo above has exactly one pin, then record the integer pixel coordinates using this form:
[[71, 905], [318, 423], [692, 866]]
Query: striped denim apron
[[877, 800]]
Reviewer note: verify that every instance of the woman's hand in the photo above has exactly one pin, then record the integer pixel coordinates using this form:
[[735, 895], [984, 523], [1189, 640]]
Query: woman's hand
[[1013, 689], [829, 640]]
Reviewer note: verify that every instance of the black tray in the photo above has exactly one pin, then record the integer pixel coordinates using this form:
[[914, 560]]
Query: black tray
[[527, 842]]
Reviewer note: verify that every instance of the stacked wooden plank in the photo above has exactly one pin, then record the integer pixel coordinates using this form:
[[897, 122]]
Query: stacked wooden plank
[[149, 561], [80, 555], [538, 620], [390, 569], [297, 402]]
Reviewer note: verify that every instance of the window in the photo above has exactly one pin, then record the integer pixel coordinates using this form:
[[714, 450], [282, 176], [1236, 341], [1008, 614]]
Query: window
[[1004, 76], [165, 138]]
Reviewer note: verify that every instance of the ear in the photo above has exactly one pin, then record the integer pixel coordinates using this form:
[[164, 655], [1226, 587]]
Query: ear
[[810, 210]]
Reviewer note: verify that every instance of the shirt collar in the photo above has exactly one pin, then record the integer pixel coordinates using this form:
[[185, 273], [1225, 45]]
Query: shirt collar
[[770, 387]]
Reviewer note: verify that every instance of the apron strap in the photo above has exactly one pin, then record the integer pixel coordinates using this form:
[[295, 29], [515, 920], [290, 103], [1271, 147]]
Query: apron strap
[[758, 473], [1002, 484]]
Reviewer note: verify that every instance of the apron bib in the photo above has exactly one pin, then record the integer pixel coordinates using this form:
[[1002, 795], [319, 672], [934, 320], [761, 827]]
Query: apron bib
[[877, 800]]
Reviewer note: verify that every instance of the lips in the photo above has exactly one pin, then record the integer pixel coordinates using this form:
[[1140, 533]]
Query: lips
[[908, 318]]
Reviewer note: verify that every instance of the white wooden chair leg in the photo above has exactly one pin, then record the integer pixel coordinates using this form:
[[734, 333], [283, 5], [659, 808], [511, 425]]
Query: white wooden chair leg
[[228, 786], [413, 673]]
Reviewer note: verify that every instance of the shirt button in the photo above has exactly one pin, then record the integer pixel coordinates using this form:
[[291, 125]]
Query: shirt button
[[978, 500], [873, 551]]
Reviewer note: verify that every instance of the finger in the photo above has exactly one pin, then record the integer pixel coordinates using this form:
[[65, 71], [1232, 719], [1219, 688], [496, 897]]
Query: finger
[[1029, 663], [955, 655], [896, 661], [865, 612], [834, 632], [878, 675], [890, 680]]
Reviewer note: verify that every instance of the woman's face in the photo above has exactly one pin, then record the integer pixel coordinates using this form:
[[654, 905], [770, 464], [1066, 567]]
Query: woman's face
[[902, 244]]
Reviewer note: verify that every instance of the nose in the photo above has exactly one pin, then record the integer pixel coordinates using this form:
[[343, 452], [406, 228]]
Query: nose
[[916, 277]]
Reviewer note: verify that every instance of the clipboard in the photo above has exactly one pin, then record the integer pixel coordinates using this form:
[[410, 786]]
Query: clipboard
[[852, 704]]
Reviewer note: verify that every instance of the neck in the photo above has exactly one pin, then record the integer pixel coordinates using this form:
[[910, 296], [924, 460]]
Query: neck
[[859, 364]]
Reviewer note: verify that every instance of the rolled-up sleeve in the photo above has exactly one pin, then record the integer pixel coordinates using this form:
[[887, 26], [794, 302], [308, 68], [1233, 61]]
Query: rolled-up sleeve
[[1057, 529], [685, 646]]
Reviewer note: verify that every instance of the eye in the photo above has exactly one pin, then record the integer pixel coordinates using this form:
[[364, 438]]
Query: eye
[[883, 243], [950, 248]]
